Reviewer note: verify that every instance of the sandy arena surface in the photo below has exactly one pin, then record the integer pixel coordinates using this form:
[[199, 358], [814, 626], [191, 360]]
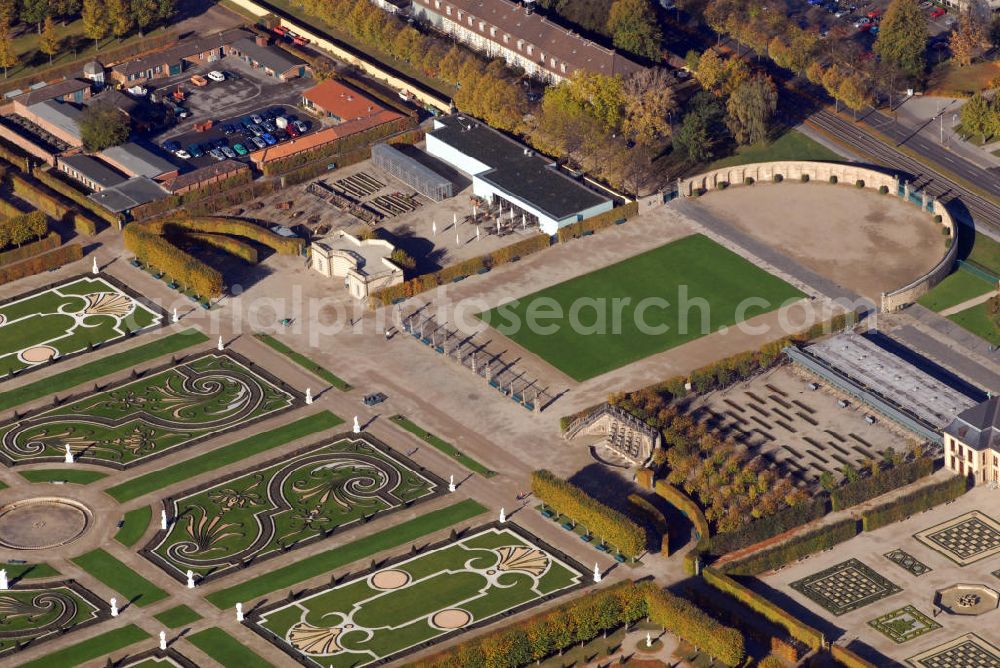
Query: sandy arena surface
[[835, 231]]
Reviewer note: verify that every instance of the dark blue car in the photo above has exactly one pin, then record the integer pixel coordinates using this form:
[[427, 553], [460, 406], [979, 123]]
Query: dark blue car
[[269, 139]]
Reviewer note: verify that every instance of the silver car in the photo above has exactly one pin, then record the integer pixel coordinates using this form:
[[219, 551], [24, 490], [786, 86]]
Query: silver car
[[230, 153]]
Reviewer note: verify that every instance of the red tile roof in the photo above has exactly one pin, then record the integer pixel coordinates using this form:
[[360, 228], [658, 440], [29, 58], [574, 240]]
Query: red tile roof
[[343, 101]]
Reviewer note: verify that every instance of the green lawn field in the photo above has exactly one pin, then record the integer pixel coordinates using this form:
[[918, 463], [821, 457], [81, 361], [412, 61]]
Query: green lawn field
[[72, 476], [178, 616], [93, 648], [442, 445], [136, 523], [793, 145], [958, 287], [978, 320], [305, 362], [225, 649], [373, 617], [116, 575], [590, 325]]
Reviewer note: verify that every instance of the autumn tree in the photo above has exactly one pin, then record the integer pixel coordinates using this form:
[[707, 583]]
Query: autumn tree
[[720, 75], [95, 20], [633, 28], [967, 39], [648, 102], [750, 108], [8, 57], [977, 117], [902, 37], [854, 93], [165, 9], [143, 13], [120, 16], [49, 42]]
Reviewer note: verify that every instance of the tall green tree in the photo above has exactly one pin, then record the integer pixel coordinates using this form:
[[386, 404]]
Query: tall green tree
[[633, 27], [144, 13], [702, 129], [978, 117], [165, 9], [902, 37], [119, 16], [34, 11], [95, 21], [64, 9], [48, 43], [102, 127], [750, 108]]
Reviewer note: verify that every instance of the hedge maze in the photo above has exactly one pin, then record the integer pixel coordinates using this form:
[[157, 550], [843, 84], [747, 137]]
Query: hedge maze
[[904, 624], [378, 615], [129, 423], [845, 587], [285, 503], [30, 614], [67, 318]]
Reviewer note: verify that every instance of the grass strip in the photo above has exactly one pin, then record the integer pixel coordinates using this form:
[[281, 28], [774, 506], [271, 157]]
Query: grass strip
[[76, 477], [94, 648], [136, 523], [102, 367], [338, 557], [113, 573], [224, 456], [30, 572], [226, 649], [443, 446], [305, 362], [177, 617]]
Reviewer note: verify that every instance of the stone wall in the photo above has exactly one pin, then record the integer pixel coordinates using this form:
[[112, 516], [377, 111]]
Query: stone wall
[[792, 171]]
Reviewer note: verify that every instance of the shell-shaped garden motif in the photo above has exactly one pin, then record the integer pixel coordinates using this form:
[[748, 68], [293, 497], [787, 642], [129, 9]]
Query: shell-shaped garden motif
[[315, 639], [108, 303], [522, 558]]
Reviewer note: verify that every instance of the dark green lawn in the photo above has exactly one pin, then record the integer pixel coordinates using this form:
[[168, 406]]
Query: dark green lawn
[[136, 523], [30, 572], [74, 476], [225, 649], [178, 616], [103, 366], [956, 288], [94, 648], [120, 577], [224, 456], [793, 145], [338, 557], [603, 320], [305, 362], [442, 445], [979, 321]]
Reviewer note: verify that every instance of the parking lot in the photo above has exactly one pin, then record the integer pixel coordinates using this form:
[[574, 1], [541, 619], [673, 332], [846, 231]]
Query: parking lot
[[861, 19], [244, 93]]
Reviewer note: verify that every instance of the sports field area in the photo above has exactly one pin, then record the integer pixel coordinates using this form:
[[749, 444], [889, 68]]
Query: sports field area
[[649, 303], [65, 319], [421, 599], [130, 422], [284, 503]]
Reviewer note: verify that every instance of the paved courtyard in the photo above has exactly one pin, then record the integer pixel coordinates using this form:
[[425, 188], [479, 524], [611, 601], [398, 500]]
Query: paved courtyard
[[881, 588]]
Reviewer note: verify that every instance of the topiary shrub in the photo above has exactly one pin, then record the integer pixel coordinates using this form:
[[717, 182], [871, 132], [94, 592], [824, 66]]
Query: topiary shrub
[[883, 189], [778, 178], [938, 218], [748, 181], [945, 231], [805, 178], [859, 184], [833, 179], [723, 185]]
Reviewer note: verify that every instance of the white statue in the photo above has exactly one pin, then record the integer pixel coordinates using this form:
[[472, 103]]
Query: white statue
[[239, 612], [95, 269], [176, 317], [357, 425], [4, 585], [114, 606], [190, 576], [220, 345], [163, 520], [163, 640], [309, 396], [503, 516], [649, 640], [451, 483], [434, 228], [69, 455], [597, 573]]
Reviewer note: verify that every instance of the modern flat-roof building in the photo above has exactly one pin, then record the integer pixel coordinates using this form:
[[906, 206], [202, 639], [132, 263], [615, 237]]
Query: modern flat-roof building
[[59, 119], [504, 29], [129, 194], [90, 172], [275, 62], [505, 171], [972, 442], [136, 160]]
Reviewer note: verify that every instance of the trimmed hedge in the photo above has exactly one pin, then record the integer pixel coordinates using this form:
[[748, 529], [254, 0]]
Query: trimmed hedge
[[846, 657], [208, 200], [425, 282], [548, 632], [914, 502], [605, 522], [231, 226], [598, 222], [806, 543], [689, 622], [190, 272], [863, 489], [48, 203], [768, 527], [39, 263], [49, 179], [690, 510], [167, 204], [49, 242], [240, 249], [797, 629], [656, 518]]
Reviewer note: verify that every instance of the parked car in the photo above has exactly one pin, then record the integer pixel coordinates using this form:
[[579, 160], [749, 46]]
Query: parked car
[[228, 129], [228, 152], [172, 146], [374, 398], [216, 75], [240, 149], [269, 139], [300, 40], [137, 91], [199, 80], [258, 142], [292, 130], [182, 154], [281, 135], [301, 127], [256, 118], [256, 130], [938, 12], [268, 126], [217, 154], [195, 151], [246, 122]]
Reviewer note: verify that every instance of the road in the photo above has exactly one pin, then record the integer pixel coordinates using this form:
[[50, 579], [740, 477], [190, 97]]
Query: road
[[966, 205]]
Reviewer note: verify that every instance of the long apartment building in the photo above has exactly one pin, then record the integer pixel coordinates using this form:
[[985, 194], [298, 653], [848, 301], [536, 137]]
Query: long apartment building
[[504, 29]]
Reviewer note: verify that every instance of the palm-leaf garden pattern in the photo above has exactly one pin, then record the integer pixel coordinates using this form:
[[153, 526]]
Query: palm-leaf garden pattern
[[149, 416], [35, 612], [376, 616], [284, 503]]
